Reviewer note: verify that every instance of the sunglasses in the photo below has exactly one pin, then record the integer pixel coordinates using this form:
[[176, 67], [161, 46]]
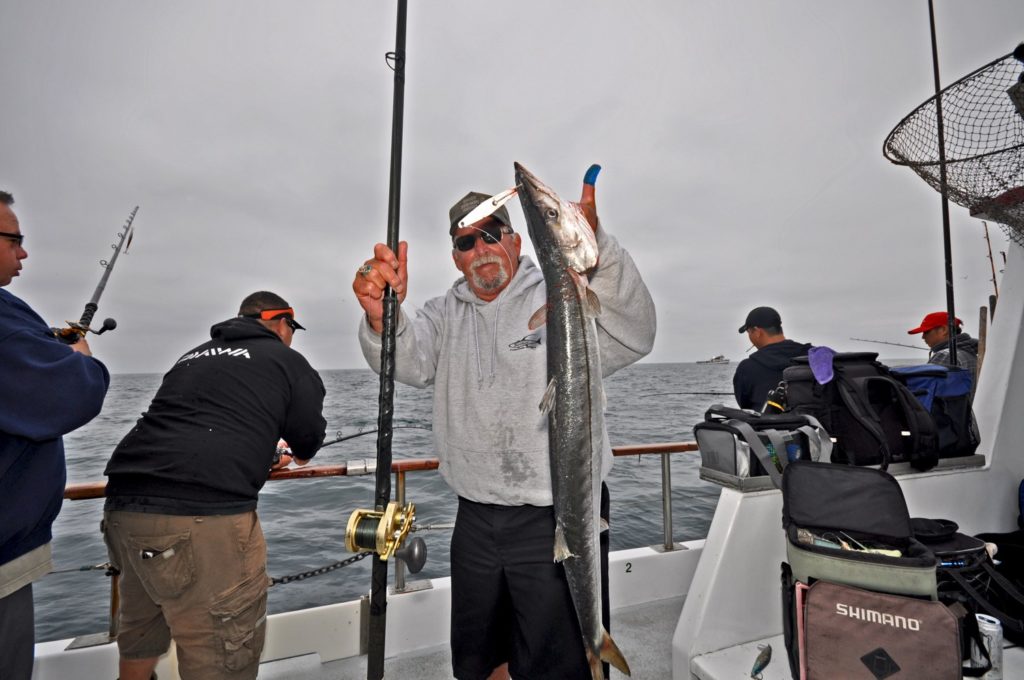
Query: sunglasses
[[490, 234], [275, 314], [18, 239]]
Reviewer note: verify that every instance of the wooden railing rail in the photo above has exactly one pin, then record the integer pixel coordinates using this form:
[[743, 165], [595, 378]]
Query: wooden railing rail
[[87, 490]]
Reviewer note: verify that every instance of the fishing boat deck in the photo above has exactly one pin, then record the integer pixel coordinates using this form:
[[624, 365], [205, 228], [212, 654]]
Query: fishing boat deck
[[643, 632], [736, 662]]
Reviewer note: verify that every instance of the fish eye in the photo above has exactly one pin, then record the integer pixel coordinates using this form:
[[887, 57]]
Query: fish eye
[[551, 213]]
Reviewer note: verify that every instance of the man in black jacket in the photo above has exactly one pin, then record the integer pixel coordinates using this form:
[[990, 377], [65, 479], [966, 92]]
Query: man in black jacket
[[760, 372], [180, 518]]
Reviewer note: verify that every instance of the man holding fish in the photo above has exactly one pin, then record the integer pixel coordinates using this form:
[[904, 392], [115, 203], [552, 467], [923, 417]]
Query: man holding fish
[[484, 346]]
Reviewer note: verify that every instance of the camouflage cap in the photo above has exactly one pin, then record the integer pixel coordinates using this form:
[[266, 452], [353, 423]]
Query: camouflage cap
[[466, 204]]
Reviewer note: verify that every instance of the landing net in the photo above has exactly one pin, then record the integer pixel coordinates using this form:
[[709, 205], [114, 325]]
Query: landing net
[[983, 119]]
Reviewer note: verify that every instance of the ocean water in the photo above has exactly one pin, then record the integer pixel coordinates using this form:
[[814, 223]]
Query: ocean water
[[304, 520]]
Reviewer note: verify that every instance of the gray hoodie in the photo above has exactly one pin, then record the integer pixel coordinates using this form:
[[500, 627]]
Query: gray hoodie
[[489, 372]]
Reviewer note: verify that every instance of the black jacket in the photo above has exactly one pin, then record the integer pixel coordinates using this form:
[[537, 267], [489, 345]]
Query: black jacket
[[762, 371], [206, 444]]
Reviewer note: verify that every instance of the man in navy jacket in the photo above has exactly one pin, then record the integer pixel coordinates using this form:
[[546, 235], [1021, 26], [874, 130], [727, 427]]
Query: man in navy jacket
[[47, 389]]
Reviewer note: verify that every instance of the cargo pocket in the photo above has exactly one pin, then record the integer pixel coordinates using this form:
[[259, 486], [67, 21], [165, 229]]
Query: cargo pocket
[[165, 564], [240, 617]]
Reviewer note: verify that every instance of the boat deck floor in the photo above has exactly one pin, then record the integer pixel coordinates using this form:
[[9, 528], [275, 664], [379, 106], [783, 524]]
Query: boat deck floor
[[737, 662], [643, 632]]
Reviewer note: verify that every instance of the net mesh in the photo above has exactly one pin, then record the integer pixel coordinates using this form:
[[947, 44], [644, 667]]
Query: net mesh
[[983, 125]]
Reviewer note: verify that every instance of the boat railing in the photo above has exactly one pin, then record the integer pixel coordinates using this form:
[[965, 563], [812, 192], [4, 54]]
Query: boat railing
[[401, 467]]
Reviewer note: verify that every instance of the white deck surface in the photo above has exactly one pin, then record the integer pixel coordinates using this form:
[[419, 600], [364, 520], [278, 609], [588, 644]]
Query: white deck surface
[[737, 662], [642, 632]]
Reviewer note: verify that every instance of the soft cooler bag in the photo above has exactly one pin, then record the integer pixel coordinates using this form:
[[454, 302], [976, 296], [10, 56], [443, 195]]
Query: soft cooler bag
[[828, 506], [742, 443]]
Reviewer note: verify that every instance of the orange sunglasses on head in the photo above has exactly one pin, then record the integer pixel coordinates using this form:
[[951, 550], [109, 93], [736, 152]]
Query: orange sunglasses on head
[[274, 314]]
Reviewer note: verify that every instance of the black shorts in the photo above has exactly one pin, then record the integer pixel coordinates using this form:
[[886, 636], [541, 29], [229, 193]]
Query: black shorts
[[510, 599]]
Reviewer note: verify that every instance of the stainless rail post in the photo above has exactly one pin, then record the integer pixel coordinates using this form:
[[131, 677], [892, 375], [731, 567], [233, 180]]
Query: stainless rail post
[[400, 498], [666, 501]]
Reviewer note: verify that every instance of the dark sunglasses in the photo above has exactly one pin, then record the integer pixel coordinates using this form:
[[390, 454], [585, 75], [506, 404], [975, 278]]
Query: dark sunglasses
[[490, 234], [292, 324], [17, 238]]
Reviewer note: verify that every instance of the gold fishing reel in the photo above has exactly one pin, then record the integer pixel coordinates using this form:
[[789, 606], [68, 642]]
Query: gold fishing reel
[[384, 533]]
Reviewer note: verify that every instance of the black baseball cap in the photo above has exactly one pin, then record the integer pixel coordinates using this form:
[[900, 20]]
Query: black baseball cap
[[761, 317]]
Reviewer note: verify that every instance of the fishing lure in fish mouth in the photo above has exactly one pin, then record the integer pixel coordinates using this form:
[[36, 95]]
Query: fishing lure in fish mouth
[[761, 662]]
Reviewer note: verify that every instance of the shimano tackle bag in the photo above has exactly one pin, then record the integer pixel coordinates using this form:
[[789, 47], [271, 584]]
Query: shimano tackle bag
[[853, 634], [873, 417], [847, 526]]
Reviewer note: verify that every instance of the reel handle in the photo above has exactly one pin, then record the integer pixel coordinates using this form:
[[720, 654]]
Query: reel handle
[[75, 331]]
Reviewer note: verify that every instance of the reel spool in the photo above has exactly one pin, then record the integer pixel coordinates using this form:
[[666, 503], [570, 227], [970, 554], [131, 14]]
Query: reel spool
[[384, 533]]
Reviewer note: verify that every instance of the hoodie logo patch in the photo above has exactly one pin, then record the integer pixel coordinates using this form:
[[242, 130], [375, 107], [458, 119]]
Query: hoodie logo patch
[[531, 341], [216, 352]]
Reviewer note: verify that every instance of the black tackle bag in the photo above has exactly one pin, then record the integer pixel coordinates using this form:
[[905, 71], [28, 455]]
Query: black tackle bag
[[967, 574], [866, 410]]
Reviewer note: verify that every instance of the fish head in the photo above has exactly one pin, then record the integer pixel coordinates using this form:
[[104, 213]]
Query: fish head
[[563, 222]]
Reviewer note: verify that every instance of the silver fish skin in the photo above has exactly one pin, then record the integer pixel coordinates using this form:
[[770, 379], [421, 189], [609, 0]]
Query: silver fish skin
[[575, 403], [572, 233]]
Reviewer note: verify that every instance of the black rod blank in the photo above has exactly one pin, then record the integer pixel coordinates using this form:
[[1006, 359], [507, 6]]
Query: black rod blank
[[379, 579]]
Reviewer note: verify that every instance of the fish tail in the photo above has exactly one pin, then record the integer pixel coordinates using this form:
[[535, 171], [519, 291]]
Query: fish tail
[[610, 653]]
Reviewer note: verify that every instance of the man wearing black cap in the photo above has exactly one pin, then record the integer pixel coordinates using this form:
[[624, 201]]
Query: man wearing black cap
[[760, 372], [180, 518], [510, 599]]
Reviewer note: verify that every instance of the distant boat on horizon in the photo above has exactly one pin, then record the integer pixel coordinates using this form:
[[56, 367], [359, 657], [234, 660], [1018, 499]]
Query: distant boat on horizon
[[719, 359]]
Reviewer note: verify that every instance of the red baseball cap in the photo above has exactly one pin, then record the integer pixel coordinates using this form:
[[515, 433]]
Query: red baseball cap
[[933, 320]]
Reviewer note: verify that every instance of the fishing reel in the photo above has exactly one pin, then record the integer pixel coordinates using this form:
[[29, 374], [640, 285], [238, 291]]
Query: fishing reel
[[75, 331], [385, 532]]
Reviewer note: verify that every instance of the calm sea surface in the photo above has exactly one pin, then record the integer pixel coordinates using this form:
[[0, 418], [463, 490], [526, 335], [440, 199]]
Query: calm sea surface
[[304, 520]]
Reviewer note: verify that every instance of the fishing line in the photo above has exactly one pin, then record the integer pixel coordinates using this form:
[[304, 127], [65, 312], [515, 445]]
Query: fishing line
[[662, 394]]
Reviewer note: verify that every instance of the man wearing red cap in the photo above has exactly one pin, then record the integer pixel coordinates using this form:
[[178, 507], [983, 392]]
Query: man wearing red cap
[[934, 330]]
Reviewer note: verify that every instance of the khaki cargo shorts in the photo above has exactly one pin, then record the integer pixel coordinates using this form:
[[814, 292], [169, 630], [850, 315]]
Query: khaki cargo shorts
[[199, 580]]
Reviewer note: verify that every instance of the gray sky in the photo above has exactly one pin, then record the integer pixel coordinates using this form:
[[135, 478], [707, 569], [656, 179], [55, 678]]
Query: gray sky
[[741, 145]]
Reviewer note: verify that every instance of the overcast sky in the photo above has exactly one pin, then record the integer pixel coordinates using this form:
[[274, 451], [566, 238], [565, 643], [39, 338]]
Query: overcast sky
[[741, 145]]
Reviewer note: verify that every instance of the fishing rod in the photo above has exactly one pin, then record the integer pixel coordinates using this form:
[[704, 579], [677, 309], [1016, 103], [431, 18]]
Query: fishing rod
[[385, 528], [76, 330], [664, 394], [339, 437], [944, 191], [886, 342]]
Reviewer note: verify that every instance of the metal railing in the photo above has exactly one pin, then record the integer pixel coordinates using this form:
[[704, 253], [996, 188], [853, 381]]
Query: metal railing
[[354, 468]]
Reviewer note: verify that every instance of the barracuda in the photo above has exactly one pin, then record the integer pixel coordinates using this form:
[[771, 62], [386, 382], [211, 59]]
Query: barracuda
[[574, 400]]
